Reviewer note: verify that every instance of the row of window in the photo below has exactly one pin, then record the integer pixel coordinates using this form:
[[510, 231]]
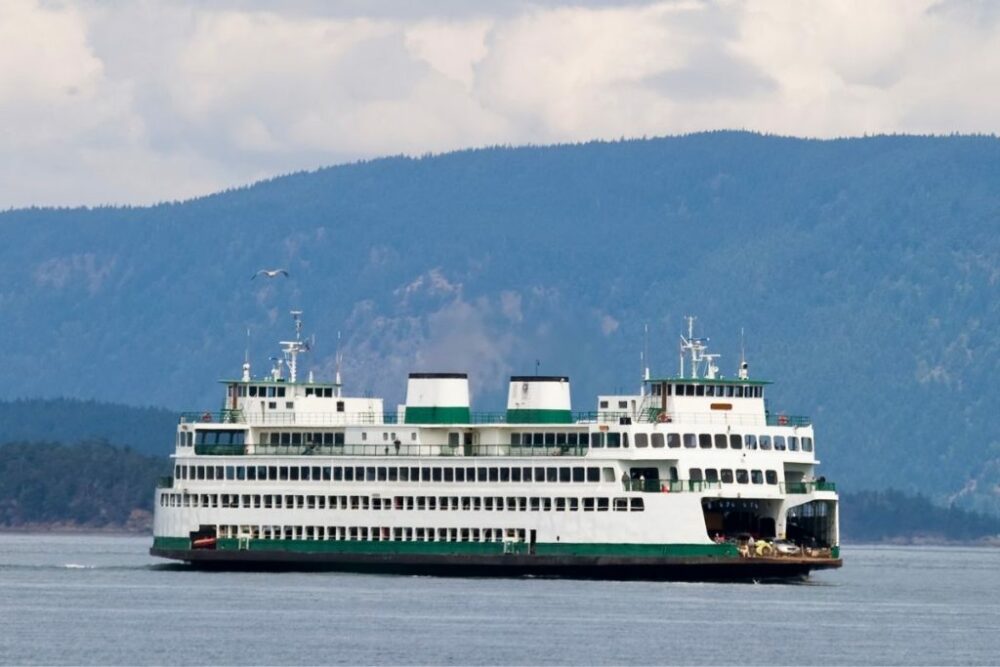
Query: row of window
[[719, 390], [691, 440], [373, 533], [538, 439], [443, 503], [741, 476], [396, 473]]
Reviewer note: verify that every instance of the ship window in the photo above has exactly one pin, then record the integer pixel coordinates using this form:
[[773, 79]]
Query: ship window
[[779, 443], [459, 475], [609, 474], [550, 439], [597, 440], [704, 440], [657, 389], [624, 439], [807, 444], [726, 475], [720, 440], [565, 474], [482, 474], [494, 474], [538, 439], [560, 439], [695, 474], [756, 476], [699, 390], [765, 442], [578, 474], [751, 441], [535, 504], [588, 504], [742, 477], [641, 440], [584, 439], [689, 440], [603, 405], [515, 439], [793, 443], [296, 438], [771, 476], [305, 474], [614, 439], [637, 505], [621, 504], [622, 405], [281, 392], [711, 475], [293, 473], [736, 441], [552, 474], [593, 474], [253, 391], [602, 504], [515, 474]]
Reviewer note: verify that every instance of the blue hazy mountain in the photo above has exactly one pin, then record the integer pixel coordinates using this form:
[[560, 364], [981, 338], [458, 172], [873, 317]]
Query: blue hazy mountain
[[864, 272]]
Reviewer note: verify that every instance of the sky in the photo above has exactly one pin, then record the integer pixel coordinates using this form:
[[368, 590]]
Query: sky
[[137, 102]]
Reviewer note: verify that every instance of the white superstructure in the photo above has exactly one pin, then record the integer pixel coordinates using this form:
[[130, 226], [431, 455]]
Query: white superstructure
[[682, 473]]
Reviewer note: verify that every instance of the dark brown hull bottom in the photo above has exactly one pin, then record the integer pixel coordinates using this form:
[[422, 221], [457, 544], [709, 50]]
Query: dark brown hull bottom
[[510, 565]]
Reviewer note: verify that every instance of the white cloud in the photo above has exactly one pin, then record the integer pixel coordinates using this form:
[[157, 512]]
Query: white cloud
[[138, 102]]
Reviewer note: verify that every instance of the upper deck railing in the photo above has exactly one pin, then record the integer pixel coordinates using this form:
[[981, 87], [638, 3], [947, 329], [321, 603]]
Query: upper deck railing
[[603, 417]]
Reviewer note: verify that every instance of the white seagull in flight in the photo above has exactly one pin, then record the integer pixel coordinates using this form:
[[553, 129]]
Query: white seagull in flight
[[272, 273]]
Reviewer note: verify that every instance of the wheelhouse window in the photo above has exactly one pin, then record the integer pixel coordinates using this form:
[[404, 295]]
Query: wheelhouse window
[[735, 441], [742, 477], [689, 440], [704, 440], [695, 474], [673, 440], [720, 441], [807, 444], [657, 440], [765, 442]]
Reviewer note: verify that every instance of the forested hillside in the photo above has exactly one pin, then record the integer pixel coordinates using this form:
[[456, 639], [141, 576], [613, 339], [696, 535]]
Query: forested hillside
[[83, 485], [865, 273]]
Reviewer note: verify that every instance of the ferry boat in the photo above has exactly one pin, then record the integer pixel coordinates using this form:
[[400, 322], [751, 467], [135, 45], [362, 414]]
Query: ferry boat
[[692, 478]]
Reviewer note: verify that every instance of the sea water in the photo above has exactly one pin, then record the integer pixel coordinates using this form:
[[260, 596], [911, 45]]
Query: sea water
[[104, 600]]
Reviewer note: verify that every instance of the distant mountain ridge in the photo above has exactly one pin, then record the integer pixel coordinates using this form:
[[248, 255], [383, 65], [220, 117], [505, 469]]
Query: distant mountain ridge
[[864, 271], [64, 420]]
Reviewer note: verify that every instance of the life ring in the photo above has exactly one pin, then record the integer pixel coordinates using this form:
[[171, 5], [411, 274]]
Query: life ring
[[206, 417], [664, 488], [663, 418], [782, 420]]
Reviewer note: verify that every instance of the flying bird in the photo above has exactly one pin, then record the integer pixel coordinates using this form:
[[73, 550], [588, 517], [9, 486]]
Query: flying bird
[[272, 273]]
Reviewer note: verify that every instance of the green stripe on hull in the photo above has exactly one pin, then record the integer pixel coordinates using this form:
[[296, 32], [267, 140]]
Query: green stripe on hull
[[174, 543], [438, 415], [463, 548], [539, 417]]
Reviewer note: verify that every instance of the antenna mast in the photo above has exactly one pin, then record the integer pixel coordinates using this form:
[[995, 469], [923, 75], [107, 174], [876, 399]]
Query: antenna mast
[[292, 348]]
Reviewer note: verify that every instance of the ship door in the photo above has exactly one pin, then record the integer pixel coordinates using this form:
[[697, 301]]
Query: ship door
[[468, 442], [531, 541]]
